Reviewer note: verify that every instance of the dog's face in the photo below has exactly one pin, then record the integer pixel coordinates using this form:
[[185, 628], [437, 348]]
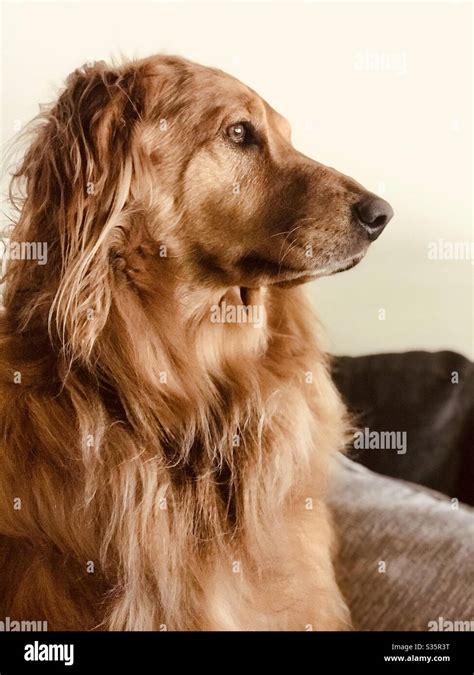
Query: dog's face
[[252, 209]]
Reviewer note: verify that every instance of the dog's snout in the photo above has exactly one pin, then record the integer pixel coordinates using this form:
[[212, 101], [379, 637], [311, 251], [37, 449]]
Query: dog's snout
[[373, 213]]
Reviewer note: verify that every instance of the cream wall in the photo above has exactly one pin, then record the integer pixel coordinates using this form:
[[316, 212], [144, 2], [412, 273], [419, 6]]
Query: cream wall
[[381, 91]]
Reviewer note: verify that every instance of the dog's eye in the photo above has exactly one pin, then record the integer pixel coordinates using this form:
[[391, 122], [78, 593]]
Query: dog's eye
[[241, 133], [236, 132]]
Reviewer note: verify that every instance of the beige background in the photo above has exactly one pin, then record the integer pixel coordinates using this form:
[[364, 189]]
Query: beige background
[[381, 91]]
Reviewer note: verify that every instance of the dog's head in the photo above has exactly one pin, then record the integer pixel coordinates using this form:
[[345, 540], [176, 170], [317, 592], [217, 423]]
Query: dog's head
[[254, 210], [163, 159]]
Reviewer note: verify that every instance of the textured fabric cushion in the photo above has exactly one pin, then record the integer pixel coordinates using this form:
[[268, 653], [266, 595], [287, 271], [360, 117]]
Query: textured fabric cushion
[[425, 545]]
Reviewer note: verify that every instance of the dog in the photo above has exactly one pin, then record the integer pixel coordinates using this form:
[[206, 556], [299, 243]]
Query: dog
[[168, 420]]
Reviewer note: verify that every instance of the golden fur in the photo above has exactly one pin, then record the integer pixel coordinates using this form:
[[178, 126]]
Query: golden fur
[[171, 469]]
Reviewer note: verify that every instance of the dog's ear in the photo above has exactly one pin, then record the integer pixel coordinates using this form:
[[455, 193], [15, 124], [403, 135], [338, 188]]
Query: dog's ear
[[79, 173]]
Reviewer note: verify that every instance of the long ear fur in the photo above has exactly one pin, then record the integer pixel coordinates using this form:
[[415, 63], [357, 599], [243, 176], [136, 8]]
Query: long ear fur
[[78, 174]]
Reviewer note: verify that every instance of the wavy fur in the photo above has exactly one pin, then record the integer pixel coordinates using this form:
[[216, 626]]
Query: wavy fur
[[171, 471]]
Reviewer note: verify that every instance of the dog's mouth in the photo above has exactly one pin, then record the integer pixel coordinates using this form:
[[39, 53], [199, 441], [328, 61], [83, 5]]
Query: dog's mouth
[[277, 272], [255, 272], [284, 276], [340, 266]]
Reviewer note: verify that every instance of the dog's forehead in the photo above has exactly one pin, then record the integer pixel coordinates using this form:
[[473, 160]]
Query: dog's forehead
[[235, 91], [239, 93]]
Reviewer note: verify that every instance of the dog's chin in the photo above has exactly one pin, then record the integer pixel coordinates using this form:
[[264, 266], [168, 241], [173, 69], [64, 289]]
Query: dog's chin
[[290, 277], [260, 271], [340, 265]]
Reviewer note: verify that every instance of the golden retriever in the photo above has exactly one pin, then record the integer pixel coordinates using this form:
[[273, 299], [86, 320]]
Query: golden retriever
[[169, 423]]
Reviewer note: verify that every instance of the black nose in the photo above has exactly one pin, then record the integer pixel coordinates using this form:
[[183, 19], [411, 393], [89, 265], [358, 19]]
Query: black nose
[[373, 214]]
